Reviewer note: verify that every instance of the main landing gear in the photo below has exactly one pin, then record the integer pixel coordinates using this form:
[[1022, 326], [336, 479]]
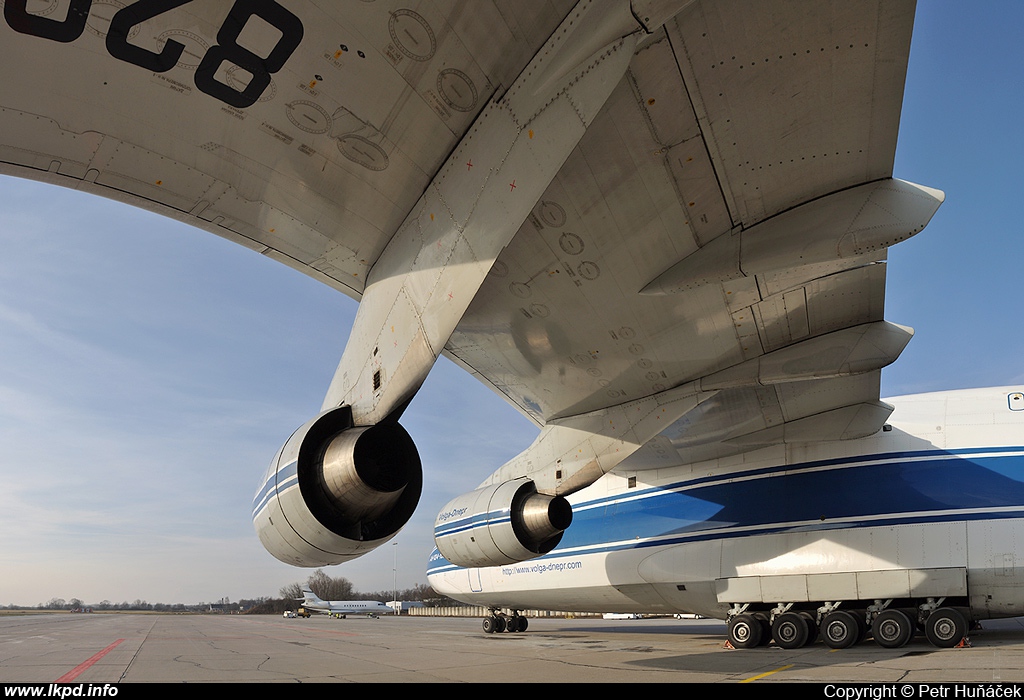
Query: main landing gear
[[842, 624], [498, 621]]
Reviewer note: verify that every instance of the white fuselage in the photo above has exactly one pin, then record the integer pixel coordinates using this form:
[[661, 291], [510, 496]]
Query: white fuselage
[[930, 507], [342, 607]]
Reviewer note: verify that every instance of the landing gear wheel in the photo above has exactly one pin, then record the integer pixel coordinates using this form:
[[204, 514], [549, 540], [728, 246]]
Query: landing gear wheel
[[812, 627], [945, 627], [494, 623], [862, 624], [839, 630], [892, 629], [766, 629], [790, 630], [517, 623], [745, 631]]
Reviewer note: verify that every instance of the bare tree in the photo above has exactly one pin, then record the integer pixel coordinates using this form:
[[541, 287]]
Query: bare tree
[[419, 592], [292, 591], [330, 588]]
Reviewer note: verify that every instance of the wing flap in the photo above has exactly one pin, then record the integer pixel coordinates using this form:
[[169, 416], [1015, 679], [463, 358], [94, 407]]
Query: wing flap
[[739, 420], [844, 423]]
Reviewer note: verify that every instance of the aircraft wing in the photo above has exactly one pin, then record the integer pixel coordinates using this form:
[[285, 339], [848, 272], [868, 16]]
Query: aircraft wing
[[317, 168], [701, 268], [733, 120]]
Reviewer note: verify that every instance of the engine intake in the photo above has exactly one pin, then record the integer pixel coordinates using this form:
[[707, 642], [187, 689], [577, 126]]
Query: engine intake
[[501, 524], [336, 491]]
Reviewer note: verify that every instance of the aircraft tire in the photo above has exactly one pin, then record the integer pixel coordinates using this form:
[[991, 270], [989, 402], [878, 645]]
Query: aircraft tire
[[892, 628], [839, 630], [812, 627], [517, 623], [790, 630], [945, 627], [766, 629], [862, 624], [745, 631]]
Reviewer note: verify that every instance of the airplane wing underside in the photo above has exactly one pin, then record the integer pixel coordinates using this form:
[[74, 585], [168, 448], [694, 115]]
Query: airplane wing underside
[[726, 118], [721, 225], [316, 170]]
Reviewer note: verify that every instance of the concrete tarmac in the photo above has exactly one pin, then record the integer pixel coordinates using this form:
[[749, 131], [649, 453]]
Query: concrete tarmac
[[141, 648]]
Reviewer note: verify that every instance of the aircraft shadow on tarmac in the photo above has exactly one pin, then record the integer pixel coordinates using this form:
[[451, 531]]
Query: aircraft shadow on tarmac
[[719, 660]]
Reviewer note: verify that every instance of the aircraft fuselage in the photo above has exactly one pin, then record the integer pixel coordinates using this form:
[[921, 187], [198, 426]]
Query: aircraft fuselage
[[926, 512]]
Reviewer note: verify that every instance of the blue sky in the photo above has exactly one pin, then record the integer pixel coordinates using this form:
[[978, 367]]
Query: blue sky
[[958, 283], [149, 371]]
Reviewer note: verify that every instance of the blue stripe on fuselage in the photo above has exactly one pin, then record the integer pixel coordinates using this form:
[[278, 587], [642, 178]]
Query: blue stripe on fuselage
[[871, 490]]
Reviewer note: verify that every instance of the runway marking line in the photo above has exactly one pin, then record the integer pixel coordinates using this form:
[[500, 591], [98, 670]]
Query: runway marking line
[[768, 673], [80, 668]]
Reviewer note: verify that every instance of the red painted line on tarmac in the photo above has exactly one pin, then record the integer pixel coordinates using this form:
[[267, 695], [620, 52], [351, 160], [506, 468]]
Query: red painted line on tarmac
[[80, 668]]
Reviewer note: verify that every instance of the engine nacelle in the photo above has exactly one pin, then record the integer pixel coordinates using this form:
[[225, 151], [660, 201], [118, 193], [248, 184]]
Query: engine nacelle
[[337, 491], [501, 524]]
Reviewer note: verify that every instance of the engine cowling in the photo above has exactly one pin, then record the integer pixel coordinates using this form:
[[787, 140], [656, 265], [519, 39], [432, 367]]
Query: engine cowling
[[501, 524], [336, 491]]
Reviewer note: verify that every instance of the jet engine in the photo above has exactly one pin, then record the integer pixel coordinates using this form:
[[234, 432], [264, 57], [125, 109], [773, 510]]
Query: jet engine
[[336, 491], [501, 524]]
